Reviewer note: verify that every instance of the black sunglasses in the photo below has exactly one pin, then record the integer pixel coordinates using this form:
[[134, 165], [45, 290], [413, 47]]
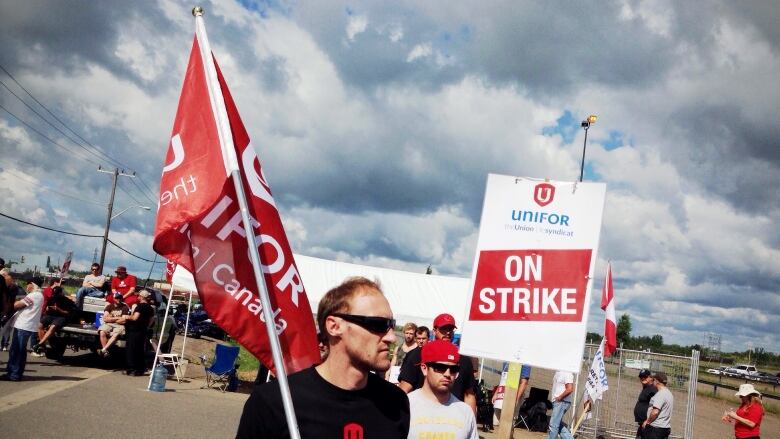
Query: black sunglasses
[[376, 325], [441, 368]]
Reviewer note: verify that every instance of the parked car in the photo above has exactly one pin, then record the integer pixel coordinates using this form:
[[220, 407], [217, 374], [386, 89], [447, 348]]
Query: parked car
[[718, 371], [767, 378], [742, 371]]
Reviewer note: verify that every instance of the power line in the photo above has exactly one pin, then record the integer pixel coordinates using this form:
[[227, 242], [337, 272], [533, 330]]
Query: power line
[[47, 121], [131, 253], [153, 197], [111, 159], [76, 234], [144, 193], [23, 177], [30, 127], [49, 228], [147, 192], [119, 185]]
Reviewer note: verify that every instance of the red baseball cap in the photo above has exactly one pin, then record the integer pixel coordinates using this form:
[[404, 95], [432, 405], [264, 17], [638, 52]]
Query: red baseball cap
[[440, 351], [443, 320]]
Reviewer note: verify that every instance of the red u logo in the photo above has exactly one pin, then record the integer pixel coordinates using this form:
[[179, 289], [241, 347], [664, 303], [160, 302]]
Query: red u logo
[[353, 431], [544, 193]]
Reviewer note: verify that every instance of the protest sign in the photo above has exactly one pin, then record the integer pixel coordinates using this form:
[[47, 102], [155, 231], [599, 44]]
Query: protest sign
[[531, 281]]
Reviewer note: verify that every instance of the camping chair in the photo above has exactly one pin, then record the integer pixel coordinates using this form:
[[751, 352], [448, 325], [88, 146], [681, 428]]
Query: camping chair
[[224, 365], [529, 409]]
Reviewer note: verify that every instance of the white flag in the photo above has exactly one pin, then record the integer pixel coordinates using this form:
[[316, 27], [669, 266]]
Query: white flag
[[596, 384]]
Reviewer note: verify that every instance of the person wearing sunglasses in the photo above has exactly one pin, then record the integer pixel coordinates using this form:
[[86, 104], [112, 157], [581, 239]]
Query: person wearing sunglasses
[[412, 378], [434, 410], [92, 285], [340, 397]]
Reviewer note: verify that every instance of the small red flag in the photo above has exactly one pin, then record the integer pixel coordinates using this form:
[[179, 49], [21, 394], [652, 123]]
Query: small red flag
[[608, 304]]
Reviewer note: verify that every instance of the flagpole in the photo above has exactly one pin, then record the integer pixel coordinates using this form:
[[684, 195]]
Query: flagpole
[[159, 340], [229, 155]]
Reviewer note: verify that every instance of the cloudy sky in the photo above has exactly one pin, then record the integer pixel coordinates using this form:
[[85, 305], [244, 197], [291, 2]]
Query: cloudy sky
[[377, 123]]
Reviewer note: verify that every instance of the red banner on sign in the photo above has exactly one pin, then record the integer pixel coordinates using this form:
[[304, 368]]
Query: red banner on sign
[[531, 285]]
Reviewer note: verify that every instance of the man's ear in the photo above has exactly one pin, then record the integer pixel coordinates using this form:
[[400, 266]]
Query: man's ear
[[333, 326], [424, 369]]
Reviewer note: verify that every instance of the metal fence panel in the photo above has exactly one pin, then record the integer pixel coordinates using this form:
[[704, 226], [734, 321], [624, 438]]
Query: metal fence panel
[[613, 415]]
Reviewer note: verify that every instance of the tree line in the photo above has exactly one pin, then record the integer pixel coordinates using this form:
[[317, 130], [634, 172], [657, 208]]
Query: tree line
[[758, 356]]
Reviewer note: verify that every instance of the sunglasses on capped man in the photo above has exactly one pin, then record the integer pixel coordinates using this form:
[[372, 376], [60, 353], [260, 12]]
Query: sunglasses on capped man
[[441, 368], [376, 325]]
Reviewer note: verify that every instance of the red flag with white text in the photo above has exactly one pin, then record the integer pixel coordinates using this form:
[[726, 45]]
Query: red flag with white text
[[608, 304], [199, 226]]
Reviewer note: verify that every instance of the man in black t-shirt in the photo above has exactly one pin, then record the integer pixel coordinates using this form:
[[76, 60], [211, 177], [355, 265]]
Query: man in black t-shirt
[[136, 333], [643, 402], [339, 398], [57, 311], [412, 378]]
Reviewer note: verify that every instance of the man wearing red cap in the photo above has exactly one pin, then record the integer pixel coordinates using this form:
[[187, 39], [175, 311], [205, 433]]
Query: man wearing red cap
[[434, 411], [411, 376]]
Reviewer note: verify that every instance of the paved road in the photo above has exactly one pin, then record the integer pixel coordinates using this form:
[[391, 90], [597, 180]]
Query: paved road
[[83, 398]]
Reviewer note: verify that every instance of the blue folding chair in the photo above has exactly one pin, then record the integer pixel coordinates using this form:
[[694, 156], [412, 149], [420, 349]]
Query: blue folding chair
[[224, 365]]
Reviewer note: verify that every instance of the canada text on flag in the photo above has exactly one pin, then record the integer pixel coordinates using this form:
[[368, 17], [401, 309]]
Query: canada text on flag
[[530, 285]]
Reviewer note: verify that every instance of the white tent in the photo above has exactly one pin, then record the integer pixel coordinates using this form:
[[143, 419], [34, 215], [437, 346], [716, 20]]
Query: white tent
[[414, 297]]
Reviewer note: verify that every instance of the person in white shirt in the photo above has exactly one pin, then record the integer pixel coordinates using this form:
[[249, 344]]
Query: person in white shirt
[[434, 411], [563, 385], [28, 315]]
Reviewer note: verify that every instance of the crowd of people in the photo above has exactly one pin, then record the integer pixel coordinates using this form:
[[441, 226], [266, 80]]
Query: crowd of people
[[352, 392], [29, 319]]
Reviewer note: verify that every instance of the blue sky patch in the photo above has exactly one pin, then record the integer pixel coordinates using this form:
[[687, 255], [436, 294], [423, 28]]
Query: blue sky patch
[[566, 126]]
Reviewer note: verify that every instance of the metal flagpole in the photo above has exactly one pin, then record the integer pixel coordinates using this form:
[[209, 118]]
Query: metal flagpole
[[159, 340], [186, 325], [229, 155]]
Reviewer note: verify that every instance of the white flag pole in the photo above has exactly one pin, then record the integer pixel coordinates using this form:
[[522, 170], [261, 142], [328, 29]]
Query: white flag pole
[[231, 166], [159, 340]]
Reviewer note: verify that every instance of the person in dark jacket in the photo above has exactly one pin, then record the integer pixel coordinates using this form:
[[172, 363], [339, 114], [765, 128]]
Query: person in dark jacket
[[643, 402], [136, 333]]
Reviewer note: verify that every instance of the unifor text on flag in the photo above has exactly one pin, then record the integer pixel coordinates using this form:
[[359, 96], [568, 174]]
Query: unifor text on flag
[[199, 226]]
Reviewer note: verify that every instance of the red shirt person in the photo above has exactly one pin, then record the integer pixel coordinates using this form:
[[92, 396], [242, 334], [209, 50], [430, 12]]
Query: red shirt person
[[124, 284], [747, 418]]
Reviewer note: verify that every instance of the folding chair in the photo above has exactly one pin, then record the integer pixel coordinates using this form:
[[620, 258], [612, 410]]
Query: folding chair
[[174, 361], [535, 396], [218, 373]]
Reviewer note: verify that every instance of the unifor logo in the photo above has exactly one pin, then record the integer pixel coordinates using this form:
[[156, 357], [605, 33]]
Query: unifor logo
[[544, 194], [353, 431]]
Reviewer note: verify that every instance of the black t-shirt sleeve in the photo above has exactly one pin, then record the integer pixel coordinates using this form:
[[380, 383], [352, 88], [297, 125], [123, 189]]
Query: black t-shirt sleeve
[[410, 369]]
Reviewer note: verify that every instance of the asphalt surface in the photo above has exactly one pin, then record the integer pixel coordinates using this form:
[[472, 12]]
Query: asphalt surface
[[88, 398]]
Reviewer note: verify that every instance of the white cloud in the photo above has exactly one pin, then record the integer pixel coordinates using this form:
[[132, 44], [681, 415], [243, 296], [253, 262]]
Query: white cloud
[[356, 25], [419, 51]]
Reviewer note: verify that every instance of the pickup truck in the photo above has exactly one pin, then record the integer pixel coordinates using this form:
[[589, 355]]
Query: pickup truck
[[741, 371], [82, 332]]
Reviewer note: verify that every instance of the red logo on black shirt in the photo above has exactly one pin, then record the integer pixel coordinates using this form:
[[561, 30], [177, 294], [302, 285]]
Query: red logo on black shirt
[[353, 431]]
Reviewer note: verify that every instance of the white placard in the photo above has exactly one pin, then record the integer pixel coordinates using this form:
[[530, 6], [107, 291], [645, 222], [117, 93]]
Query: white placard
[[533, 269]]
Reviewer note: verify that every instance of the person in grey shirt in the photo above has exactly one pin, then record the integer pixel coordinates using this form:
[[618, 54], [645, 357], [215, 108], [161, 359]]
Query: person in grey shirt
[[659, 414]]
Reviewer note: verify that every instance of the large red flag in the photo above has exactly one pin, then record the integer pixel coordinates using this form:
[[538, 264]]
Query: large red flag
[[610, 325], [199, 226]]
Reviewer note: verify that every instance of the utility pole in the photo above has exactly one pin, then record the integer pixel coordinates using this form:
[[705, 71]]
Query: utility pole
[[116, 173], [94, 256]]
